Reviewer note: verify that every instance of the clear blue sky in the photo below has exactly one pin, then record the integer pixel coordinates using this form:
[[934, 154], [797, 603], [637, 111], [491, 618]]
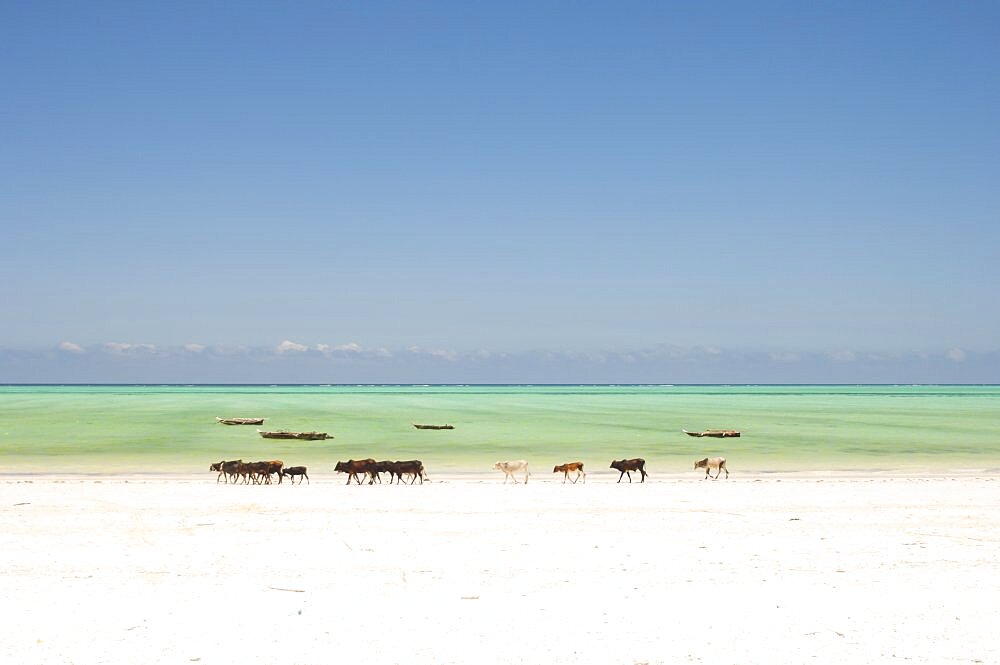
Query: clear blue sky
[[573, 191]]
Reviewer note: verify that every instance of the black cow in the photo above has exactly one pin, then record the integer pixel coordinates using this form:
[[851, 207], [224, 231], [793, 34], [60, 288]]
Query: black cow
[[628, 465], [292, 471]]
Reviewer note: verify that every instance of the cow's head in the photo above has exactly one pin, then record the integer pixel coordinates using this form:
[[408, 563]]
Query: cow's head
[[701, 464]]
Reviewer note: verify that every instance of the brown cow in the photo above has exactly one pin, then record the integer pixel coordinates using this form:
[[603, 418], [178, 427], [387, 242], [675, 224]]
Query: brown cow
[[414, 468], [710, 463], [353, 467], [255, 472], [571, 466], [273, 466], [628, 465], [291, 472]]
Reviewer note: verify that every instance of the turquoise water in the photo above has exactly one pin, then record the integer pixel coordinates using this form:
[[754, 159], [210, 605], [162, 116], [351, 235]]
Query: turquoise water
[[173, 428]]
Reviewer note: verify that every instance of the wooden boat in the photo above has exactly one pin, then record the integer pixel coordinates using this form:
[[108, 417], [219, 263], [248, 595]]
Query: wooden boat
[[305, 436], [240, 421], [433, 426], [717, 433]]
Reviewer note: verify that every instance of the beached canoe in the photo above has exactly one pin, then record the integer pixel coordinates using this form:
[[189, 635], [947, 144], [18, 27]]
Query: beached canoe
[[240, 421], [717, 433], [433, 426], [305, 436]]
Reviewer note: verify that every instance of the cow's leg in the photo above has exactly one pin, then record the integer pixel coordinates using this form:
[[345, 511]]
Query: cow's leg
[[584, 476], [723, 468], [706, 473], [644, 474], [307, 479], [620, 476], [565, 476]]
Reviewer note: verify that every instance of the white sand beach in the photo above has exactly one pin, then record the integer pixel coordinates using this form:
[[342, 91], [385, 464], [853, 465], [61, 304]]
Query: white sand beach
[[753, 569]]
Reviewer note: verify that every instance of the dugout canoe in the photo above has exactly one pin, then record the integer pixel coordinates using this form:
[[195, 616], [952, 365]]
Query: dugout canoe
[[240, 421], [716, 433], [304, 436]]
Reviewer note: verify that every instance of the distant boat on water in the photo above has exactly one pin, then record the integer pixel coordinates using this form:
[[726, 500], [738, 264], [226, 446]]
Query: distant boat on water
[[305, 436], [433, 426], [717, 433], [240, 421]]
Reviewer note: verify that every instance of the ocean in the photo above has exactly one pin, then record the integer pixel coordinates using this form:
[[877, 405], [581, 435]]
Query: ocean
[[172, 428]]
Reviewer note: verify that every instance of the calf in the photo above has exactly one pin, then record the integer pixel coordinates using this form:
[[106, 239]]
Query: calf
[[709, 463], [291, 472], [509, 468], [571, 466], [353, 467], [628, 465]]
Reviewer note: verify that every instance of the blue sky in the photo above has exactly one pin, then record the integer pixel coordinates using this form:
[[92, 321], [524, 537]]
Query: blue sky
[[500, 192]]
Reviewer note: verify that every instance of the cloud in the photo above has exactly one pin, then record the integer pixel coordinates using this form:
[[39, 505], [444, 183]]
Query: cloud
[[956, 355], [842, 356], [289, 346], [440, 354], [124, 348], [784, 357], [70, 347], [195, 348], [352, 350]]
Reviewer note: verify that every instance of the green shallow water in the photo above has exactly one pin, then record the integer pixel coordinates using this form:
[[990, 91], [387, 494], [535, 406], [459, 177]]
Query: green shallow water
[[172, 428]]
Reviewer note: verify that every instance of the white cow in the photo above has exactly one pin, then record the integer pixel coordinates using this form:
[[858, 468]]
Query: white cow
[[709, 463], [511, 467]]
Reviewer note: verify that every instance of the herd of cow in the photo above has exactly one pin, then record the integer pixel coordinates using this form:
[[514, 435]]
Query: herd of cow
[[260, 473]]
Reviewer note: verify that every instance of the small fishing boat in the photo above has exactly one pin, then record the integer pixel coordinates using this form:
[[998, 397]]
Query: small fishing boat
[[717, 433], [304, 436], [433, 426], [240, 421]]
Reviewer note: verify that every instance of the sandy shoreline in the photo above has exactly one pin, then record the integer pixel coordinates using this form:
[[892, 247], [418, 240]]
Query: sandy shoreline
[[756, 569]]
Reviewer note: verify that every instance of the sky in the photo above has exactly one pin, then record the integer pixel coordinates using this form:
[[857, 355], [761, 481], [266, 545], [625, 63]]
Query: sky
[[500, 192]]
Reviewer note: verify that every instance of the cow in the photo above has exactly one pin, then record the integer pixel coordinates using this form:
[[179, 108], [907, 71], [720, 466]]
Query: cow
[[414, 468], [273, 466], [353, 467], [255, 472], [227, 470], [291, 472], [571, 466], [511, 467], [709, 463], [628, 465], [384, 466]]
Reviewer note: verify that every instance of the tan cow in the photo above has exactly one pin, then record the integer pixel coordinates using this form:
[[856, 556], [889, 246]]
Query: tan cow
[[710, 463], [511, 467]]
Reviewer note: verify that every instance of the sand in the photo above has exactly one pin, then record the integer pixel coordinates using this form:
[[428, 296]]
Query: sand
[[754, 569]]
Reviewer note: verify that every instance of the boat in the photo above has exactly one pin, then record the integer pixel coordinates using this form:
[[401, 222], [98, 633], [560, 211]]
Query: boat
[[305, 436], [240, 421], [717, 433], [433, 426]]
